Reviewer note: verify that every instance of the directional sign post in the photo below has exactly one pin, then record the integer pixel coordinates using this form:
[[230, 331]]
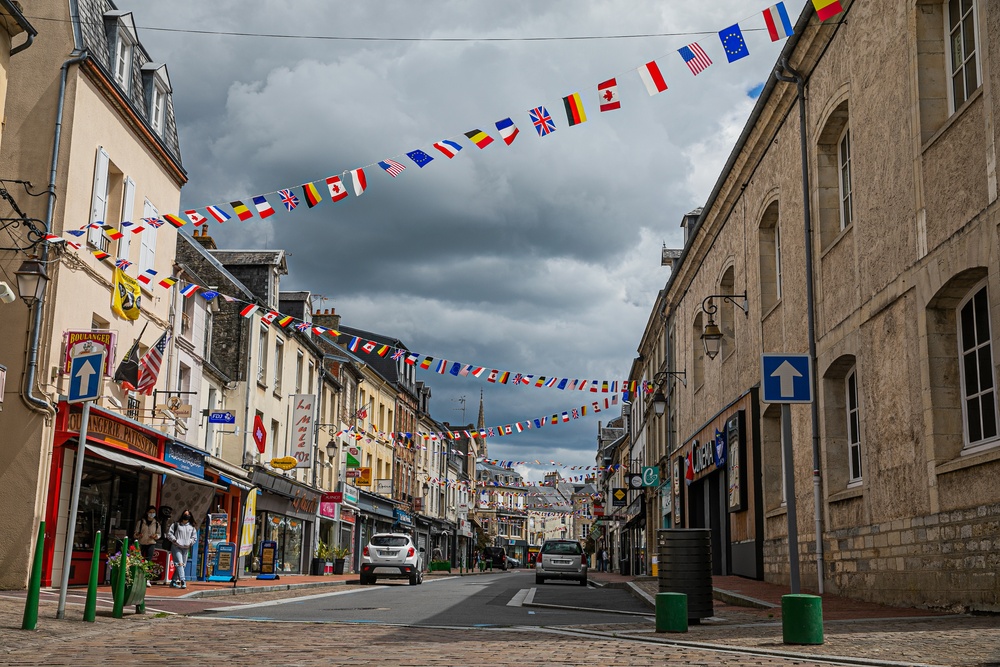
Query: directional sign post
[[86, 368], [786, 379]]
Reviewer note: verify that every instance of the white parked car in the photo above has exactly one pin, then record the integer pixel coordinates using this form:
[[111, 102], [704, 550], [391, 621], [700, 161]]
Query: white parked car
[[392, 556]]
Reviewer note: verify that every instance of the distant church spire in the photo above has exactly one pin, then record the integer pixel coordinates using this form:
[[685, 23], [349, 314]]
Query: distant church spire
[[481, 424]]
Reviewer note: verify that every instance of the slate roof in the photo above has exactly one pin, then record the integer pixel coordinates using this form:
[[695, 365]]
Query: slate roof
[[252, 258], [190, 251], [98, 25]]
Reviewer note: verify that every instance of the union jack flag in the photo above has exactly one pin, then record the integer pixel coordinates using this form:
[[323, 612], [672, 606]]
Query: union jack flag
[[302, 326], [122, 263], [289, 199], [155, 223], [542, 121], [398, 354]]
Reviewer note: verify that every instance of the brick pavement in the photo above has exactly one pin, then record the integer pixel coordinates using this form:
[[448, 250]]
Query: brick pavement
[[177, 640], [851, 627]]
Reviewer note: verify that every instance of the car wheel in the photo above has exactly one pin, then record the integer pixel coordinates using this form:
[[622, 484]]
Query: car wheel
[[372, 579], [414, 578], [539, 580], [364, 580], [583, 582]]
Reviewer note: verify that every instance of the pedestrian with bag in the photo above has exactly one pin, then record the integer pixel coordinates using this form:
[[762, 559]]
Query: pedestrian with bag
[[182, 536], [147, 532]]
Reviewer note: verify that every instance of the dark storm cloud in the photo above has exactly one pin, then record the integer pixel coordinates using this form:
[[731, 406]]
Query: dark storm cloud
[[542, 257]]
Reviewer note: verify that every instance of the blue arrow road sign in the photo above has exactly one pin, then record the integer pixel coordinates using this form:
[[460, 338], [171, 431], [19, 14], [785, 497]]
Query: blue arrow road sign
[[786, 378], [85, 371], [221, 417]]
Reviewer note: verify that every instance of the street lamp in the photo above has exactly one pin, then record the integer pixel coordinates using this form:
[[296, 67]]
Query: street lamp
[[711, 337], [659, 399], [31, 281]]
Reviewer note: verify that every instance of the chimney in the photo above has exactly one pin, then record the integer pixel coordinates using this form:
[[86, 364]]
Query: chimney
[[327, 318], [688, 222], [204, 239]]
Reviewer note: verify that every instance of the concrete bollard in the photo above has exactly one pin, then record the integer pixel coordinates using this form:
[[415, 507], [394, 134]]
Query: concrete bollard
[[671, 612], [802, 619]]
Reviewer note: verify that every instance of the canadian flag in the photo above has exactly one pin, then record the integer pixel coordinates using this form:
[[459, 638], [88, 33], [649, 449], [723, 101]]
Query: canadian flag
[[337, 189], [608, 94]]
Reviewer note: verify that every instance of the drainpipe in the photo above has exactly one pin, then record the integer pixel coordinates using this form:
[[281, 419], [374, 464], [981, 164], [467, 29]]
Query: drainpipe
[[36, 403], [13, 10], [800, 84]]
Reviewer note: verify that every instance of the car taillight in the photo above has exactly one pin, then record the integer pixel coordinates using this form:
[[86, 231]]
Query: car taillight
[[583, 559], [409, 554], [365, 552], [539, 557]]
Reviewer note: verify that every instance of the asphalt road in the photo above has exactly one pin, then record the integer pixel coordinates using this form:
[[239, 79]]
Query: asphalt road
[[499, 600]]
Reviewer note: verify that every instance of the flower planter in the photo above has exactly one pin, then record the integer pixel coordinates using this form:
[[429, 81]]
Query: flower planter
[[135, 590], [338, 565], [440, 565]]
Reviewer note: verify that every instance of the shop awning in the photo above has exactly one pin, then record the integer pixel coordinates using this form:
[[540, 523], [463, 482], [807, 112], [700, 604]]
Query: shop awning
[[235, 482], [142, 464]]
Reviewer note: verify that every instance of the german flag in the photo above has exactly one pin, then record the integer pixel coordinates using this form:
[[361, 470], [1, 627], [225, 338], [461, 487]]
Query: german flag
[[311, 194], [574, 109], [479, 138], [177, 221], [240, 209]]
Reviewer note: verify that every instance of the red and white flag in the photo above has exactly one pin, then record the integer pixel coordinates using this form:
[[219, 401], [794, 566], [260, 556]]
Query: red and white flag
[[607, 92], [196, 217], [337, 189], [358, 178], [249, 310], [270, 317], [651, 77]]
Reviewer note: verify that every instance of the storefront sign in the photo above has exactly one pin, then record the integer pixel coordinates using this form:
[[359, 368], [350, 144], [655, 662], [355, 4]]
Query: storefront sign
[[353, 457], [402, 517], [598, 510], [76, 341], [284, 463], [352, 473], [735, 462], [223, 569], [302, 429], [365, 478], [115, 432], [268, 556], [678, 497], [347, 515], [185, 458], [383, 487], [619, 497], [259, 433], [704, 457], [327, 506], [351, 494], [650, 476], [222, 417], [249, 529]]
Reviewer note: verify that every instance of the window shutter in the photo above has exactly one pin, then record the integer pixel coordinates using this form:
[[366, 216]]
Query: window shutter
[[128, 215], [99, 207], [147, 251]]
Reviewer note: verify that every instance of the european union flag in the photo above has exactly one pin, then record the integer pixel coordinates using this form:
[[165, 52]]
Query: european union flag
[[733, 43], [420, 157]]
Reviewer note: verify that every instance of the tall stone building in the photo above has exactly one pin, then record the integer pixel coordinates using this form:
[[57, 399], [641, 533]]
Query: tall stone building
[[900, 154]]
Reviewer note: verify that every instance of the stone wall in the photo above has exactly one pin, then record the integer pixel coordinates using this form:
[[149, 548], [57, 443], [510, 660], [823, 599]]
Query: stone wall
[[947, 560]]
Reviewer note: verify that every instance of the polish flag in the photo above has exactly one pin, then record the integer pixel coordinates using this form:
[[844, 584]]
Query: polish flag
[[650, 75], [358, 178]]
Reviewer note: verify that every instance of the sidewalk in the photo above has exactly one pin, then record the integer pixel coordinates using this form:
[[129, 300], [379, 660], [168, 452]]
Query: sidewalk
[[747, 614]]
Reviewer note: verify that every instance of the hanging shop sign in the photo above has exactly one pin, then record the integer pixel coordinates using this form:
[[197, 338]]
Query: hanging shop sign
[[351, 494], [185, 458], [619, 497], [284, 463], [678, 475], [402, 517], [365, 478], [80, 341], [736, 461], [302, 429]]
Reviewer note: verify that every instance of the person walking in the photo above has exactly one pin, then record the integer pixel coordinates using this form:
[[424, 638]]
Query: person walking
[[182, 536], [147, 532]]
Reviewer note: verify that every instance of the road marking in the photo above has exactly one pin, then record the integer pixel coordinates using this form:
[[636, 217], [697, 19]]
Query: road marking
[[273, 603], [531, 596], [518, 599]]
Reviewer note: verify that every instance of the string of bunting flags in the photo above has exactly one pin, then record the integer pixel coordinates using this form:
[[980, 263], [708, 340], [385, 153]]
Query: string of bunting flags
[[694, 56]]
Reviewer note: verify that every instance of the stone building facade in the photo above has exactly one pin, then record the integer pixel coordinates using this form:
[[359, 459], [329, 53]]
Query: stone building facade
[[900, 138]]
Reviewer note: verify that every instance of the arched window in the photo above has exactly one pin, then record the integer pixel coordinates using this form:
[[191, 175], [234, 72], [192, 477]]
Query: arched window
[[769, 247], [833, 154], [843, 432], [979, 403]]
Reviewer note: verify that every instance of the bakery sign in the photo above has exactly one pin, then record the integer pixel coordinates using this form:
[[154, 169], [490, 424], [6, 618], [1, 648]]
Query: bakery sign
[[116, 433], [88, 341]]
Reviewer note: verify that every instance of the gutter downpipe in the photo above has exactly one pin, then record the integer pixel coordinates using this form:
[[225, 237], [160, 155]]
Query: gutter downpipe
[[33, 402], [27, 27], [800, 85]]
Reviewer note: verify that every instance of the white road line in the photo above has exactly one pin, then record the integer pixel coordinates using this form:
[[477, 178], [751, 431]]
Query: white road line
[[530, 598], [518, 599], [273, 603]]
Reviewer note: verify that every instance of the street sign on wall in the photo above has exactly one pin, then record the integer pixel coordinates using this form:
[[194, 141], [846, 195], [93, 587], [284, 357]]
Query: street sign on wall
[[85, 376], [786, 378], [222, 417]]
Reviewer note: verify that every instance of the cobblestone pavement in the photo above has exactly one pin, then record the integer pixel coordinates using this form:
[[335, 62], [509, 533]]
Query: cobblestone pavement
[[177, 640]]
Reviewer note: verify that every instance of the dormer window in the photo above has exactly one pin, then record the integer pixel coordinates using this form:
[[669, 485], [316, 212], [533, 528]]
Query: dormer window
[[123, 60], [156, 83], [157, 105]]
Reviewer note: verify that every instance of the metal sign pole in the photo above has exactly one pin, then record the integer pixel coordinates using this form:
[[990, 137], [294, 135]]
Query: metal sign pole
[[793, 526], [74, 505]]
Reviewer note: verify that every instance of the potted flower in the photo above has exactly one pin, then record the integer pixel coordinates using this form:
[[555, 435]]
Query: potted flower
[[137, 572], [319, 562], [340, 557]]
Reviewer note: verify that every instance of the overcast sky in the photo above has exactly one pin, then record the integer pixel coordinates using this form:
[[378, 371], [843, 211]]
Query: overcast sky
[[541, 257]]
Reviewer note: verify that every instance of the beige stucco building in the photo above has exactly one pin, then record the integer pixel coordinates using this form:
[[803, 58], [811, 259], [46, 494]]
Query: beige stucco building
[[901, 137], [99, 128]]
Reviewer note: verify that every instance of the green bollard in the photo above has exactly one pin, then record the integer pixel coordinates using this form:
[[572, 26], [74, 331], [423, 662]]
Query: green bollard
[[34, 584], [802, 619], [671, 612], [90, 609], [119, 608]]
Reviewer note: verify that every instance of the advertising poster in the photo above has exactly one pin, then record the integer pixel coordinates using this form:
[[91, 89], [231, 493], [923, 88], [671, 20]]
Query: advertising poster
[[302, 429]]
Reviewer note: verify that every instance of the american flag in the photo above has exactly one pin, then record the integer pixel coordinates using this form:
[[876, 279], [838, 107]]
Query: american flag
[[149, 365], [289, 199], [542, 121], [695, 57], [392, 167]]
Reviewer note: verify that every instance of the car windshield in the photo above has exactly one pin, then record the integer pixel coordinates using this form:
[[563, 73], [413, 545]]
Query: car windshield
[[562, 548], [390, 541]]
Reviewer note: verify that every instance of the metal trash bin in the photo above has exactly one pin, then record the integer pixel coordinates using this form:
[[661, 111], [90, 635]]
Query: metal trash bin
[[685, 566]]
